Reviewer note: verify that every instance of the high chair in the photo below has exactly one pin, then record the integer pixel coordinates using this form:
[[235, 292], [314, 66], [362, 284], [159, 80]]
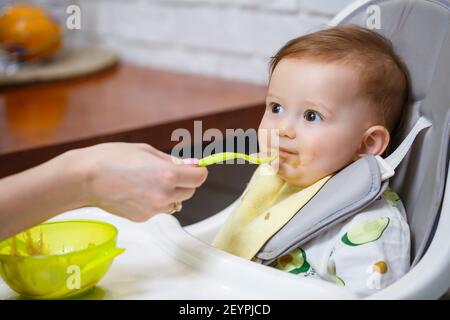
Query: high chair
[[166, 261]]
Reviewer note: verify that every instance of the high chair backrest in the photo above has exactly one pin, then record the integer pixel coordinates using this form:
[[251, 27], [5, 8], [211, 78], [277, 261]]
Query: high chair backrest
[[419, 31]]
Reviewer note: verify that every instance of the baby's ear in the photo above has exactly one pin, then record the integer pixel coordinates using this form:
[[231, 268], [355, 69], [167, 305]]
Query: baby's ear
[[374, 141]]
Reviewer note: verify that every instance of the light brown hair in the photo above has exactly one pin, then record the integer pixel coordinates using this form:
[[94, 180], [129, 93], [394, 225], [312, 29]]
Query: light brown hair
[[383, 76]]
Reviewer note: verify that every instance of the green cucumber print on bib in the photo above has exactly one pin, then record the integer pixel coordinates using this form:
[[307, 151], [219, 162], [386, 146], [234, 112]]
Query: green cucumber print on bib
[[391, 196], [367, 232], [293, 262], [339, 281]]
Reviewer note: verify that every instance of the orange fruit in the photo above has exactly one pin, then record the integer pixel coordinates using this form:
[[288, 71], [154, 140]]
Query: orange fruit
[[29, 33]]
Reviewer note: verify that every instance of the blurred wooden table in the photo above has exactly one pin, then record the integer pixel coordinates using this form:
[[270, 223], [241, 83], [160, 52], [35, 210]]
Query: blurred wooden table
[[125, 103]]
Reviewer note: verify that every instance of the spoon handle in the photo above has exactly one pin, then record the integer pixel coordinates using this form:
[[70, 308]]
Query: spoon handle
[[224, 156]]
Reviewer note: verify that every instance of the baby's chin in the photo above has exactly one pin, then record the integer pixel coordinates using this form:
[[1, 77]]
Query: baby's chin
[[300, 177], [292, 175]]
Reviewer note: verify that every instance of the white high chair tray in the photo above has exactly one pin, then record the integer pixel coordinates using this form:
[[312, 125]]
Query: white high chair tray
[[163, 261]]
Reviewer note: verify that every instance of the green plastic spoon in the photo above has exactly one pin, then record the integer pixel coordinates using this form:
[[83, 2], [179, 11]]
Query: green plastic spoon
[[224, 156]]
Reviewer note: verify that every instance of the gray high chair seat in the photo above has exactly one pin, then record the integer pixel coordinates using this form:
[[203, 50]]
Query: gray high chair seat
[[419, 31]]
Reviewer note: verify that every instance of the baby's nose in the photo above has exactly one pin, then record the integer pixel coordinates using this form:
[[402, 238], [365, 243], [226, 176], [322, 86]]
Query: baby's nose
[[287, 129]]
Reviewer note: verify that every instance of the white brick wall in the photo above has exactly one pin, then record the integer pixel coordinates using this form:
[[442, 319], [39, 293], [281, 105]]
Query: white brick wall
[[226, 38]]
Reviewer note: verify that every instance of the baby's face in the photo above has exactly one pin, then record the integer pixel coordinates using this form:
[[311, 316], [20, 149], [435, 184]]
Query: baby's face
[[320, 117]]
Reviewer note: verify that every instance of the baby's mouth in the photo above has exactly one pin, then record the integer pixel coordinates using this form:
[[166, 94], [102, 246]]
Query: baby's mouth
[[287, 151]]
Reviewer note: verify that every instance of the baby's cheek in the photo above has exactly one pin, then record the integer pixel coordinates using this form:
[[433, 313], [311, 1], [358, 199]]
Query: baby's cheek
[[262, 139], [263, 142], [307, 157], [319, 158], [309, 151], [267, 139], [334, 155]]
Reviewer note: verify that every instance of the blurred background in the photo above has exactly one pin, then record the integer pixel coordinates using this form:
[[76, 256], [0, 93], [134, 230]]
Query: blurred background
[[221, 38], [136, 70]]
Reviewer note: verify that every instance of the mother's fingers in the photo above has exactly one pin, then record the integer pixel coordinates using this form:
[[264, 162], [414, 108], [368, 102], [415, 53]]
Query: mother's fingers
[[172, 208], [156, 152], [189, 176], [182, 194], [175, 198]]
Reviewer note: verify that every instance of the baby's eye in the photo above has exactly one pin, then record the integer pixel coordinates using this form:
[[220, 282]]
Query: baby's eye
[[312, 116], [276, 108]]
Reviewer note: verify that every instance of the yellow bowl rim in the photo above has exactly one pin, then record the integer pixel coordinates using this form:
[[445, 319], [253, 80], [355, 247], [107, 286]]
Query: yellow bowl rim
[[68, 253]]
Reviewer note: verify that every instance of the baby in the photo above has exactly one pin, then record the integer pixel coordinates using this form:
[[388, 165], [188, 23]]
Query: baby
[[334, 96]]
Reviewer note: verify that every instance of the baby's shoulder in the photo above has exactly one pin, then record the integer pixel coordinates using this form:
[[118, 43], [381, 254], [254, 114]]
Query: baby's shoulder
[[386, 213], [383, 220]]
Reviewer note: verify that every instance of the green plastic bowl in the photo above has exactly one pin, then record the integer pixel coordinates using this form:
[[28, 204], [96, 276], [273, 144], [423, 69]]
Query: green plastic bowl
[[56, 260]]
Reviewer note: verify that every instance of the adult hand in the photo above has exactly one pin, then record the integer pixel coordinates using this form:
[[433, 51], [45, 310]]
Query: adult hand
[[135, 180]]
